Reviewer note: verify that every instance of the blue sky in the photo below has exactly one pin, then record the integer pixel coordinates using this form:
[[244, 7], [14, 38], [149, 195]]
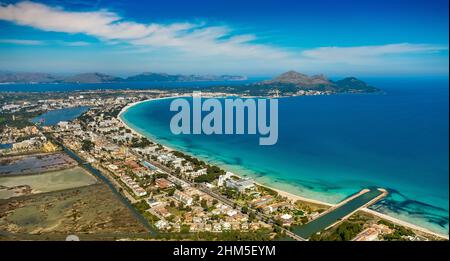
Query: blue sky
[[255, 38]]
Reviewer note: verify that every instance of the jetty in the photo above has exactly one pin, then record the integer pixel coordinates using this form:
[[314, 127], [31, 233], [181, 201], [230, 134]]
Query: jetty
[[340, 212]]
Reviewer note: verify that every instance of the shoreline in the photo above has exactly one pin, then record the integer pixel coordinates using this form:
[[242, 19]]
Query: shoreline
[[288, 195]]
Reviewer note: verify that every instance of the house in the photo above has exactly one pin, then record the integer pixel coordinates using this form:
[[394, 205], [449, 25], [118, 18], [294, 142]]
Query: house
[[244, 226], [178, 181], [231, 212], [197, 220], [286, 219], [152, 202], [201, 172], [188, 217], [208, 227], [226, 226], [370, 234], [264, 200], [217, 227], [113, 167], [64, 125], [140, 192], [163, 183], [274, 207], [162, 211], [161, 224], [183, 197]]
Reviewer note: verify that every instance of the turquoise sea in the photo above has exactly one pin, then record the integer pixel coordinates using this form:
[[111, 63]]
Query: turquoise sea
[[330, 147]]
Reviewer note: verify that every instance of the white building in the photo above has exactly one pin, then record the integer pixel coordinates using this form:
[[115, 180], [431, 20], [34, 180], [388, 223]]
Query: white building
[[64, 125], [161, 224], [183, 197], [223, 178], [240, 185]]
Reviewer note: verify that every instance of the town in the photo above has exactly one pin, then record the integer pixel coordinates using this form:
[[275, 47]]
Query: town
[[174, 192]]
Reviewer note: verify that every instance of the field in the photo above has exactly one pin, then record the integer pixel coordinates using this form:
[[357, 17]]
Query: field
[[90, 212], [11, 186], [38, 163]]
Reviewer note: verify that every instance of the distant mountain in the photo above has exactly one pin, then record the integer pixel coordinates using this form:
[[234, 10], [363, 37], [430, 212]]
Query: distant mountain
[[164, 77], [92, 78], [9, 77], [293, 77], [293, 81], [353, 83]]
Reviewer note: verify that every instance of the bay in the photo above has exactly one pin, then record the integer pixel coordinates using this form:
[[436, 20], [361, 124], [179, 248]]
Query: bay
[[330, 147]]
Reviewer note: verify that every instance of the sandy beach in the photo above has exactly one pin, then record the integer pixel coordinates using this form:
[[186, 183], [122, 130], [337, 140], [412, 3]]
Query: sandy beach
[[288, 195], [403, 223], [293, 197], [124, 109]]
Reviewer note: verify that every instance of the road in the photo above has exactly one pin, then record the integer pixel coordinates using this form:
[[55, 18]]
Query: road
[[204, 189]]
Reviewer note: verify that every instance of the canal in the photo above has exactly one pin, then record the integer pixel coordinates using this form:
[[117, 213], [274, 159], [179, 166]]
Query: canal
[[98, 174], [328, 219]]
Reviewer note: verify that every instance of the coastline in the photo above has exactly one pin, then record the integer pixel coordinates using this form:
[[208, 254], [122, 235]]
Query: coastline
[[290, 196]]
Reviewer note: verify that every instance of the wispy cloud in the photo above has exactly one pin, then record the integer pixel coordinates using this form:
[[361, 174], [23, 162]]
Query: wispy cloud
[[77, 43], [106, 25], [363, 53], [41, 42], [200, 42], [22, 42]]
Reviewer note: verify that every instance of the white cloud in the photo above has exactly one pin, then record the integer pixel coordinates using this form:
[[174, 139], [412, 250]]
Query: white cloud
[[77, 43], [39, 42], [187, 37], [189, 43], [22, 42], [366, 53]]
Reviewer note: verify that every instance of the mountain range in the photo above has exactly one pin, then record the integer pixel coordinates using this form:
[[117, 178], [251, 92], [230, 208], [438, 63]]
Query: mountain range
[[293, 81], [11, 77], [286, 84]]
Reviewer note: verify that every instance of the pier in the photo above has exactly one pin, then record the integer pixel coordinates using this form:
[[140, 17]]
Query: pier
[[340, 212]]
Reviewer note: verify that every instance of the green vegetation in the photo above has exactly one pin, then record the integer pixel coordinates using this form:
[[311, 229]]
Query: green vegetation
[[230, 193], [344, 232], [232, 235], [206, 178], [212, 173], [21, 119], [170, 192], [142, 143], [141, 206], [204, 204], [399, 233], [310, 207], [269, 191], [161, 175], [197, 164], [185, 228], [26, 137], [87, 145], [150, 217]]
